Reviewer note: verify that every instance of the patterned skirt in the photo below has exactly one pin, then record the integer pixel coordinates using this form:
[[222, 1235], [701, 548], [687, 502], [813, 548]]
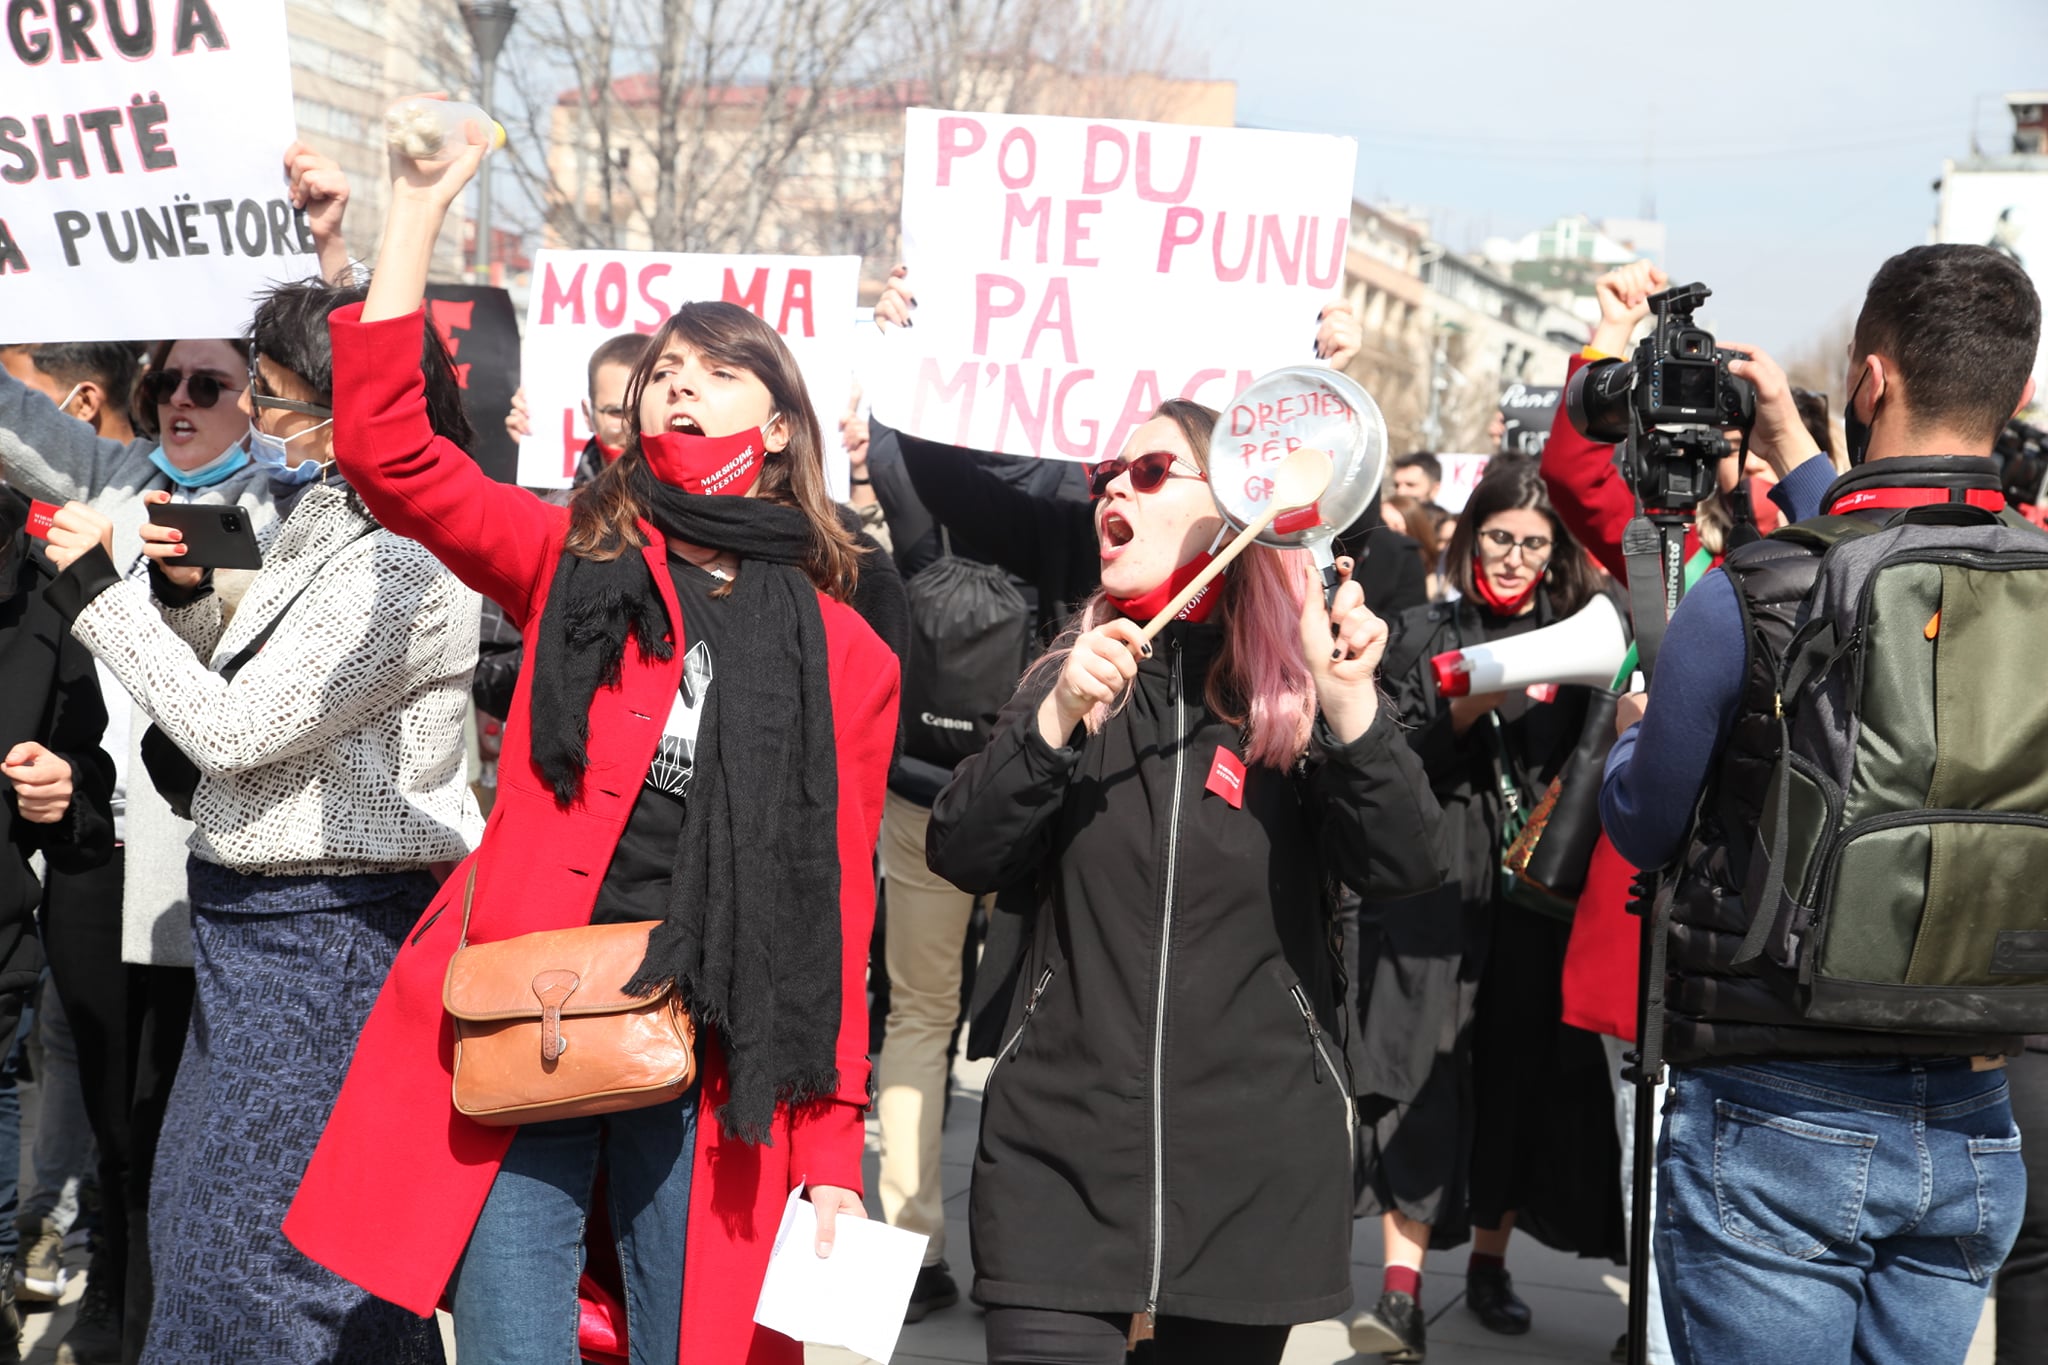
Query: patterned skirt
[[288, 968]]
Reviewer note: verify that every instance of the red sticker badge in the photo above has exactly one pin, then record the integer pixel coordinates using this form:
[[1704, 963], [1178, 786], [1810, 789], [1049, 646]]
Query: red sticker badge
[[1226, 777], [40, 515]]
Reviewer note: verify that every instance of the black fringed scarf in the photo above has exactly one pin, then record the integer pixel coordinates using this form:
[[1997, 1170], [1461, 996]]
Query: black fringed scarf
[[751, 937]]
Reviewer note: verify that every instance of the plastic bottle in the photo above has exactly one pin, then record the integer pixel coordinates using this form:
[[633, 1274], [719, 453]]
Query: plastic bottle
[[431, 131]]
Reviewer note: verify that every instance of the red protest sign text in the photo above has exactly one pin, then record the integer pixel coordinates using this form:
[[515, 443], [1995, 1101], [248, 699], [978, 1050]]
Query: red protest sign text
[[1226, 777]]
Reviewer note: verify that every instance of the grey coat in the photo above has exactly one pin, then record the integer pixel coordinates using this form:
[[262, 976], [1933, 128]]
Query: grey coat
[[60, 459]]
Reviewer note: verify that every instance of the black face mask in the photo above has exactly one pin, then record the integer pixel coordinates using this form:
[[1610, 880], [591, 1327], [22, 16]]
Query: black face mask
[[1855, 430]]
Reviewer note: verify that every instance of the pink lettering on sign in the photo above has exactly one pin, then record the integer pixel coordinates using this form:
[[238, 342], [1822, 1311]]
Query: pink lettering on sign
[[958, 137]]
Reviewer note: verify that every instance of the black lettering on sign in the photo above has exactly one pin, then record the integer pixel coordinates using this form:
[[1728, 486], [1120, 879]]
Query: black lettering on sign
[[196, 24], [32, 49], [72, 226], [11, 257]]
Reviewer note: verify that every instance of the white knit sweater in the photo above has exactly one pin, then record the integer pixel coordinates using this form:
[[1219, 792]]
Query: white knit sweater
[[338, 748]]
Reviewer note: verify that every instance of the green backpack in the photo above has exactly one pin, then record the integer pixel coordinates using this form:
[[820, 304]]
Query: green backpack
[[1899, 876]]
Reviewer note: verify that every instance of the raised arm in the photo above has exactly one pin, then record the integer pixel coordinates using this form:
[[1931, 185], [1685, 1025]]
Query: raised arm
[[497, 538]]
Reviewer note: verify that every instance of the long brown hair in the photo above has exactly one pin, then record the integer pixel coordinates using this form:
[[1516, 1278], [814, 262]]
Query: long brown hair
[[604, 518], [1511, 482]]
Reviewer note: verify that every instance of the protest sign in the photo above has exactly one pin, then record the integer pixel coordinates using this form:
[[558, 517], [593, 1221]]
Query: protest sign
[[142, 190], [1462, 474], [481, 331], [1071, 274], [582, 298]]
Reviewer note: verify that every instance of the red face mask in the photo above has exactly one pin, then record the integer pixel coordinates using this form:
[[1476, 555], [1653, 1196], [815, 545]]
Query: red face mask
[[610, 453], [1502, 606], [1145, 606], [727, 465]]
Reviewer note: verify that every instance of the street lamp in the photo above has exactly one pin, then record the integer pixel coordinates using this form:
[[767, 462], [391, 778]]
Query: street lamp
[[488, 21]]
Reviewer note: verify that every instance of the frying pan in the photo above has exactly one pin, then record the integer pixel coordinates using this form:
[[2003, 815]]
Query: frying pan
[[1301, 405]]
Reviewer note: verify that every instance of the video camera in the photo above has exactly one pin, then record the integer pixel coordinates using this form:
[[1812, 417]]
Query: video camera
[[1670, 403]]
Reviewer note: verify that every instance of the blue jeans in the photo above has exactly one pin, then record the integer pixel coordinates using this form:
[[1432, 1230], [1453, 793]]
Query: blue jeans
[[1825, 1212], [515, 1289]]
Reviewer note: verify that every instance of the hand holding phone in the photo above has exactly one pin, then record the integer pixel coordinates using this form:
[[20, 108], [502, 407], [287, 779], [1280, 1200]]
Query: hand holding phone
[[187, 538]]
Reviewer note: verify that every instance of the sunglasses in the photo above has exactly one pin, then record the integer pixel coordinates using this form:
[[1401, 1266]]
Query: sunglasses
[[160, 386], [1148, 472]]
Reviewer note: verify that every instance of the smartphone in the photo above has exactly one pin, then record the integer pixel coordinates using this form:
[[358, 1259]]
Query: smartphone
[[216, 537]]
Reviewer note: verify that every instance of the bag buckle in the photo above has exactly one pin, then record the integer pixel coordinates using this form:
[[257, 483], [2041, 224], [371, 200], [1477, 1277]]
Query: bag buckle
[[553, 989]]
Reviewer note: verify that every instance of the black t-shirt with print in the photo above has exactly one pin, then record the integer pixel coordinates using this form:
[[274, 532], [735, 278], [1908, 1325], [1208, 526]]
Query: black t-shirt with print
[[636, 884]]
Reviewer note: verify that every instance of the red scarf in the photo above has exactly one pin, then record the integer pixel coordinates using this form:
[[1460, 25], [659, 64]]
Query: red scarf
[[1147, 605], [1498, 605], [706, 464]]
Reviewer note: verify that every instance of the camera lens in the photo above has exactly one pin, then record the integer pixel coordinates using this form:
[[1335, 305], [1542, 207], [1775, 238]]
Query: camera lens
[[231, 524]]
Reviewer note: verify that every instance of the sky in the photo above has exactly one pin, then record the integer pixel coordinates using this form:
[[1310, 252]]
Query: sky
[[1793, 144]]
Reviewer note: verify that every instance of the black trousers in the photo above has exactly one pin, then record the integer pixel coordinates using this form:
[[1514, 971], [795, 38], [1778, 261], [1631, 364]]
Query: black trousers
[[2023, 1283], [1044, 1336], [129, 1024]]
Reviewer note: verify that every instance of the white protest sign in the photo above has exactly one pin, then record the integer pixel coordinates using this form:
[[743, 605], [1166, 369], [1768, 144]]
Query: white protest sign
[[580, 299], [142, 190], [1071, 274], [1462, 474]]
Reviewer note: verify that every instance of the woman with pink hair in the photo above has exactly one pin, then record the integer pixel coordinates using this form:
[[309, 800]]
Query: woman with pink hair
[[1168, 1143]]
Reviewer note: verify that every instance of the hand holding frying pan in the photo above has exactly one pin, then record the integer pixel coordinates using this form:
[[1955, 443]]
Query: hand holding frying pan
[[1283, 412]]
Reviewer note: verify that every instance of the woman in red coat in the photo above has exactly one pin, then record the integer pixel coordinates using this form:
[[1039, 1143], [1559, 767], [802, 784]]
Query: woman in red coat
[[701, 738]]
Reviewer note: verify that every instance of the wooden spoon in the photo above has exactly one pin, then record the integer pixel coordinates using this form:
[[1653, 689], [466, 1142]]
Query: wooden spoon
[[1298, 482]]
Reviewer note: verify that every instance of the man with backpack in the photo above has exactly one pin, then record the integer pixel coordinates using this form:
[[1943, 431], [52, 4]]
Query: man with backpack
[[1839, 764]]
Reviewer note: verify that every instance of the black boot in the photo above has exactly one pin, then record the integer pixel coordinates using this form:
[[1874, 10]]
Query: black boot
[[934, 1290], [10, 1316], [1393, 1330], [1490, 1294]]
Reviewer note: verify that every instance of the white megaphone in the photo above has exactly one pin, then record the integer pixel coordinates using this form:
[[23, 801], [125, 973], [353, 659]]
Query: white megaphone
[[1584, 649]]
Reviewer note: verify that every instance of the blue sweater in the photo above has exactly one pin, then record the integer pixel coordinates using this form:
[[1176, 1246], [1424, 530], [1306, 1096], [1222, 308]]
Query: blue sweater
[[1658, 769]]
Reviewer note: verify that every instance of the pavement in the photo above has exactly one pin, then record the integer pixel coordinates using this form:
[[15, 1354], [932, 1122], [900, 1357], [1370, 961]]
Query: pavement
[[1579, 1306]]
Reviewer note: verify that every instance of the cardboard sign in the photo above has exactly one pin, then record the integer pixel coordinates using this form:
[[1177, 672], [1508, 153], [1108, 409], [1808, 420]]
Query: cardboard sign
[[1072, 274], [480, 328], [580, 299], [1462, 474], [142, 190]]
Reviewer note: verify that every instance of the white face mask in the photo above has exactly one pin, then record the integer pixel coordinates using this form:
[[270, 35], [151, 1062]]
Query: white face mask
[[271, 453]]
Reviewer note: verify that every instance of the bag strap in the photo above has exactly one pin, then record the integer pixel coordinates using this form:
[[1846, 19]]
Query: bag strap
[[468, 898], [255, 646], [1766, 909], [1695, 569]]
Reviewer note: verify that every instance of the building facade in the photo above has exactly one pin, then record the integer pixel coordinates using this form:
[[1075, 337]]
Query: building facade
[[350, 60]]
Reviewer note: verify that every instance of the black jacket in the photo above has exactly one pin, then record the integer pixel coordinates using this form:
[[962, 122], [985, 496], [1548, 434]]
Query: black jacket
[[1167, 1125], [49, 693]]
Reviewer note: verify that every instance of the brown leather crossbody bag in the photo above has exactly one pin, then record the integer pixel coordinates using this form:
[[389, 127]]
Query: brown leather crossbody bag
[[542, 1030]]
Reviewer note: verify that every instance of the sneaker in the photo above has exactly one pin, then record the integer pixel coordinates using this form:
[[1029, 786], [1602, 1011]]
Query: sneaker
[[1490, 1294], [934, 1290], [95, 1335], [1393, 1330], [41, 1276]]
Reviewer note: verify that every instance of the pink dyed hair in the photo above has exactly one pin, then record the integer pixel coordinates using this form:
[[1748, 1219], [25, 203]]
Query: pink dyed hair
[[1259, 681]]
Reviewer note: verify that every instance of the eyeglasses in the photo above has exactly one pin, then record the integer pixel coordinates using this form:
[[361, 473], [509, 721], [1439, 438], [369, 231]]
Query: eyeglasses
[[161, 386], [614, 412], [1533, 547], [1148, 472], [259, 396]]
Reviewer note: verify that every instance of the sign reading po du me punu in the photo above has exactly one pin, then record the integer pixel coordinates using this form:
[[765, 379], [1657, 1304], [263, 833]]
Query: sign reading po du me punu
[[1072, 274]]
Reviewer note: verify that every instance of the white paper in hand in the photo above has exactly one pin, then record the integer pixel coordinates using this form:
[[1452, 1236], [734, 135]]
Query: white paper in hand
[[853, 1298]]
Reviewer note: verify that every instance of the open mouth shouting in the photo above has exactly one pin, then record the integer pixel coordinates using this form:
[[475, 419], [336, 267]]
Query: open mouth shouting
[[1114, 533], [683, 422]]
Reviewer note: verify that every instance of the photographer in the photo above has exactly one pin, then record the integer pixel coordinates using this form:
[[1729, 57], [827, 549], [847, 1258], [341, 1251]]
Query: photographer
[[1822, 1185], [1592, 497]]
